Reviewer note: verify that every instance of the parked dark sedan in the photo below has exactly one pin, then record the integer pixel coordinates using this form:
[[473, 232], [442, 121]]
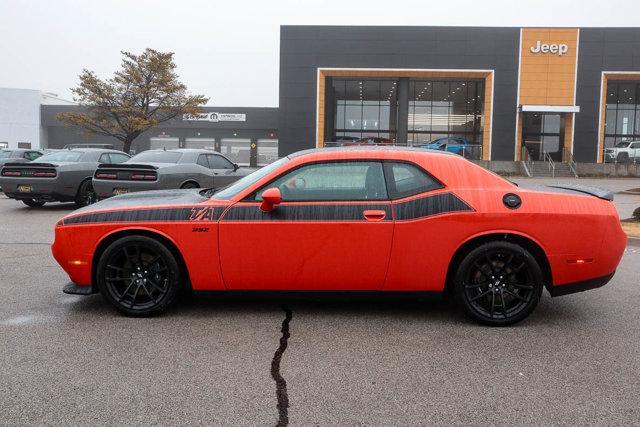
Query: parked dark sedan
[[63, 176], [167, 169], [18, 155]]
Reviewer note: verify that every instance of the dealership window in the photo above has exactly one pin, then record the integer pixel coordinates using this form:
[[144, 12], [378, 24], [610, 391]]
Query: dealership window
[[364, 108], [445, 108], [622, 115]]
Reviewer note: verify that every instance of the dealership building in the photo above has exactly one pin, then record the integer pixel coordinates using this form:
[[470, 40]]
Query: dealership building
[[559, 94]]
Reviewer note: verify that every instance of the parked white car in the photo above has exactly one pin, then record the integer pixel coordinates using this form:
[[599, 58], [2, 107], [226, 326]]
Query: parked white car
[[623, 152]]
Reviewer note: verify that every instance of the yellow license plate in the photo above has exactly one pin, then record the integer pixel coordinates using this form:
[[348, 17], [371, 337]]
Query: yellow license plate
[[118, 191], [24, 188]]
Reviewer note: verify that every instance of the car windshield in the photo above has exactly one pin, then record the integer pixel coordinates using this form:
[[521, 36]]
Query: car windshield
[[61, 156], [244, 183], [4, 154], [622, 144], [156, 157]]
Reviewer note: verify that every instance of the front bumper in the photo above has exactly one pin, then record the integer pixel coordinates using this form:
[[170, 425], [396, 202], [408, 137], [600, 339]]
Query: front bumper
[[75, 289], [105, 188], [581, 286]]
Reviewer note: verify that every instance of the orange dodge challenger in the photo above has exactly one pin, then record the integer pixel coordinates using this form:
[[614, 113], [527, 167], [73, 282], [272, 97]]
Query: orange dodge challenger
[[349, 219]]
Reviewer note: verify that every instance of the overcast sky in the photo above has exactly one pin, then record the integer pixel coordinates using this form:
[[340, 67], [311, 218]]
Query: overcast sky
[[229, 50]]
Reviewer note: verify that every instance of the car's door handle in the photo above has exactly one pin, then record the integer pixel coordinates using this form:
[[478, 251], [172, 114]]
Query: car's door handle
[[374, 215]]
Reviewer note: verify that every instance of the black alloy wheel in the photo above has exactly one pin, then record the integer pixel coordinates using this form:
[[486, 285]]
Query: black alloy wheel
[[623, 158], [138, 275], [86, 195], [33, 203], [188, 185], [499, 283]]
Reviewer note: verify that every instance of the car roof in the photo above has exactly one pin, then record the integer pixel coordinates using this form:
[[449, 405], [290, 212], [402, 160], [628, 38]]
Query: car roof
[[90, 149], [181, 150], [376, 150]]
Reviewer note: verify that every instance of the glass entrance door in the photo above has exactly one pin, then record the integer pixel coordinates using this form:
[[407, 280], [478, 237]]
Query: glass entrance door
[[543, 133]]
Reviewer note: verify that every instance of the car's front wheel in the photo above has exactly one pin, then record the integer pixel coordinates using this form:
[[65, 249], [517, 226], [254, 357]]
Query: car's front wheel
[[138, 275], [33, 203], [623, 158], [499, 283]]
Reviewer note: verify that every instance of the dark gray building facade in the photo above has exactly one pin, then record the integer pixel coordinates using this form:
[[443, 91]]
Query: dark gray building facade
[[511, 92]]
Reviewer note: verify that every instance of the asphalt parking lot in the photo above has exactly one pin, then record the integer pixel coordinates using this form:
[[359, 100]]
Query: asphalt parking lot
[[72, 360]]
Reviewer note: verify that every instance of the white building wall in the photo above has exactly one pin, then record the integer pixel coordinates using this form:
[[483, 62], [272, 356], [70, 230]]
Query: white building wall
[[20, 116]]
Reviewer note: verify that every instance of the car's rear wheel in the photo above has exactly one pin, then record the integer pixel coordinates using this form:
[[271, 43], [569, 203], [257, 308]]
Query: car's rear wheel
[[86, 195], [138, 275], [187, 185], [33, 203], [499, 283]]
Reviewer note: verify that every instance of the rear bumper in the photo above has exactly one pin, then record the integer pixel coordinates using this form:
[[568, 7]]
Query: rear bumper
[[75, 289], [51, 190], [105, 188], [581, 286]]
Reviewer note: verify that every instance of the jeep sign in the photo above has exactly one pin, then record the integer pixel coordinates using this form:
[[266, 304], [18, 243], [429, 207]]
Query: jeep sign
[[556, 49]]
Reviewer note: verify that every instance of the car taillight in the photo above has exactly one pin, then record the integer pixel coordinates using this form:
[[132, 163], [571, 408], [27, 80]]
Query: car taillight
[[11, 173], [143, 177], [45, 174], [104, 175]]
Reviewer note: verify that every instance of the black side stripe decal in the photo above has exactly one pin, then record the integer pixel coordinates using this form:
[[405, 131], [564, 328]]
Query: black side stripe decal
[[302, 212], [413, 209], [188, 213], [429, 206]]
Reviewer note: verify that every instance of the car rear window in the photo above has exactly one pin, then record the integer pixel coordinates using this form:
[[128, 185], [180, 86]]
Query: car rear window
[[156, 157], [62, 156]]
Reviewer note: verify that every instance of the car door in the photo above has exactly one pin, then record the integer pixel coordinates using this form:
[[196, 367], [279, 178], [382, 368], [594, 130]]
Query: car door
[[224, 172], [205, 172], [634, 152], [333, 230]]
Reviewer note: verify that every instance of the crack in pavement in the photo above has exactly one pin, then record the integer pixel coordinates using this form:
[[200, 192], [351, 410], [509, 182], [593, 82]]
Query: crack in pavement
[[281, 383]]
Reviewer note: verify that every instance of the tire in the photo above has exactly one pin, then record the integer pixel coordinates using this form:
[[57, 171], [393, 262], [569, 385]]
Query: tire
[[623, 158], [187, 185], [138, 276], [85, 195], [32, 203], [498, 283]]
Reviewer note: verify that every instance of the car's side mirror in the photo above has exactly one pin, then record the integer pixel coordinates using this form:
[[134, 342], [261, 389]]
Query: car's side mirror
[[235, 167], [270, 198]]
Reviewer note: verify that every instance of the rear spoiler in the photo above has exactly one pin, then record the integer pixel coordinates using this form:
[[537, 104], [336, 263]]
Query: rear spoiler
[[30, 165], [126, 166], [600, 193]]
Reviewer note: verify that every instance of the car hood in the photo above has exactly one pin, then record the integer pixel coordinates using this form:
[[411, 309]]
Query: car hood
[[147, 198]]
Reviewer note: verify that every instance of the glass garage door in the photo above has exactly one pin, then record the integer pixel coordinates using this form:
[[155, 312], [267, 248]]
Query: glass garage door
[[238, 150], [166, 143], [267, 151], [202, 143]]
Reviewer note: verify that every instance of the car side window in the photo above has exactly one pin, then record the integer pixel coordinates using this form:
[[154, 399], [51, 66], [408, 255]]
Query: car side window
[[104, 158], [118, 158], [219, 162], [635, 145], [406, 180], [202, 160], [332, 181]]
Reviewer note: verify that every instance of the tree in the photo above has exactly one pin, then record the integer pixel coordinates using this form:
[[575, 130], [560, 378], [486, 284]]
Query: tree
[[143, 93]]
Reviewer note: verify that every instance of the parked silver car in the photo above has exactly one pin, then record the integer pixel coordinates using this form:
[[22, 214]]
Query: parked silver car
[[167, 169], [63, 176], [18, 155]]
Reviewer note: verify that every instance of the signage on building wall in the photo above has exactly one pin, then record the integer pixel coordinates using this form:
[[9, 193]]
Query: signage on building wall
[[554, 48], [215, 117]]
